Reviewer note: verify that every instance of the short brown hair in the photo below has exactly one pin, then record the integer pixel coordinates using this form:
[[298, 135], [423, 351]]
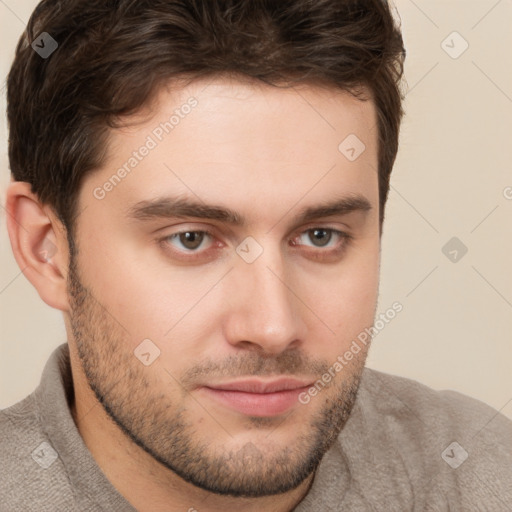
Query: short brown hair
[[113, 55]]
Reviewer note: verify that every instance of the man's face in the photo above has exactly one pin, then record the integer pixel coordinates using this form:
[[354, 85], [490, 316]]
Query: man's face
[[263, 307]]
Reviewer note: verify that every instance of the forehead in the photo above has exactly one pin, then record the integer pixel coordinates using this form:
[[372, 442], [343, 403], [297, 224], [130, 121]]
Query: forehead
[[248, 144]]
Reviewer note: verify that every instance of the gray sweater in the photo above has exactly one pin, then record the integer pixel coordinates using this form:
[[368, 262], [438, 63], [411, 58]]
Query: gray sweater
[[405, 447]]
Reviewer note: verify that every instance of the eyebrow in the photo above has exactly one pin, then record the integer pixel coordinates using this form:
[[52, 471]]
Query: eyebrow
[[179, 207]]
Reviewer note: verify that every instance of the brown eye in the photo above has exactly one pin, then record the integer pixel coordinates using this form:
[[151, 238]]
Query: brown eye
[[191, 239], [187, 241], [322, 236]]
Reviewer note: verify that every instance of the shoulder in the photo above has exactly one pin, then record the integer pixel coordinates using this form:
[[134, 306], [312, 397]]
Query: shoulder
[[460, 445], [444, 410], [31, 469], [18, 423]]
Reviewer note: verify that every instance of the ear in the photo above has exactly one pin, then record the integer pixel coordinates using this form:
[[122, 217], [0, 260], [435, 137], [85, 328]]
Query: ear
[[39, 244]]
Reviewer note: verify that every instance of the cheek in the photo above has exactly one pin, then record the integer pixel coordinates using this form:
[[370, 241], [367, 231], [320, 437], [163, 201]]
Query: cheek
[[344, 300], [347, 308], [147, 300], [161, 307]]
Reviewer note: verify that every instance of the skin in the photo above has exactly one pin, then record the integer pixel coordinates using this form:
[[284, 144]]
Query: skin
[[266, 153]]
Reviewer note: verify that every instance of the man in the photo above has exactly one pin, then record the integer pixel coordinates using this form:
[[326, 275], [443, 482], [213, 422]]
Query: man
[[199, 186]]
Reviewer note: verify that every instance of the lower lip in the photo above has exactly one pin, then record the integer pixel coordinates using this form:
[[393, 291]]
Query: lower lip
[[257, 404]]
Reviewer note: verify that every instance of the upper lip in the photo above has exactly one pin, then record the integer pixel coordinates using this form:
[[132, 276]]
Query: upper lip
[[259, 386]]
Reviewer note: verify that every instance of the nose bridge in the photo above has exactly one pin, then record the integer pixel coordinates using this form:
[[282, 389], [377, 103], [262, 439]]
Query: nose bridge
[[267, 306]]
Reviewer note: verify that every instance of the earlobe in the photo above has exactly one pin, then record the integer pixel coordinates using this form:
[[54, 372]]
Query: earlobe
[[38, 243]]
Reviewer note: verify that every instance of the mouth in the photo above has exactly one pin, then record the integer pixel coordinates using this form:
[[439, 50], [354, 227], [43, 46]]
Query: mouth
[[256, 397]]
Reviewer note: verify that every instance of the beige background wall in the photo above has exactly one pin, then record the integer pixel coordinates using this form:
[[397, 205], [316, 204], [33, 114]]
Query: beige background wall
[[453, 178]]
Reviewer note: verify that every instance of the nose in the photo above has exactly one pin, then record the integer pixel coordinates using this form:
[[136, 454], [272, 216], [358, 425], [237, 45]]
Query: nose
[[264, 310]]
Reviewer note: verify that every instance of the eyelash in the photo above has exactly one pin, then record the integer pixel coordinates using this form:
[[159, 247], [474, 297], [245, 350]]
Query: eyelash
[[191, 255]]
